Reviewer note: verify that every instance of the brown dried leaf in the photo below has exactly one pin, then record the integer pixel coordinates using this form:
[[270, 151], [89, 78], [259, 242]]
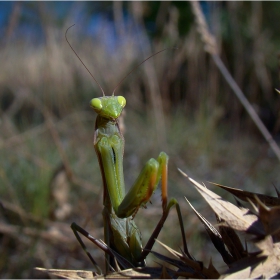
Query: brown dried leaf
[[238, 219], [265, 245], [270, 218], [232, 241], [165, 274], [265, 265], [242, 269], [212, 270], [245, 195], [215, 236]]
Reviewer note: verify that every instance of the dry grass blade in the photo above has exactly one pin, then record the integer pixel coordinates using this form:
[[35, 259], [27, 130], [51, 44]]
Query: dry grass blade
[[137, 273], [239, 219], [215, 236], [68, 274], [197, 266], [52, 235], [177, 263], [132, 273], [277, 192], [17, 215], [245, 195]]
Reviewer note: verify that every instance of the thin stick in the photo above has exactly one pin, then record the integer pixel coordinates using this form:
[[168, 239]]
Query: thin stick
[[211, 47]]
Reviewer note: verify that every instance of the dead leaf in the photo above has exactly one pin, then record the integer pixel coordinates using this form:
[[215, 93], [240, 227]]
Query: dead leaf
[[265, 265], [164, 274], [270, 218], [245, 195], [242, 269], [236, 218], [215, 236], [232, 241]]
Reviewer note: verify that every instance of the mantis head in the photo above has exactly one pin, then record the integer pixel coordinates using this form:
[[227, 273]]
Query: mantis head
[[109, 107]]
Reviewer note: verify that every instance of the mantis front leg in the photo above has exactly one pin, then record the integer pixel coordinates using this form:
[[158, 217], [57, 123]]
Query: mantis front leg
[[143, 188]]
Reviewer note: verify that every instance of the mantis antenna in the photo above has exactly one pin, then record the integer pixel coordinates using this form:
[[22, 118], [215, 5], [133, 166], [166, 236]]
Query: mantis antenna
[[81, 60], [122, 78], [137, 67]]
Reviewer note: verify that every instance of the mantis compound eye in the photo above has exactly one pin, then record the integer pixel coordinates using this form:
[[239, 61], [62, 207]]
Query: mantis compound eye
[[96, 104], [121, 101]]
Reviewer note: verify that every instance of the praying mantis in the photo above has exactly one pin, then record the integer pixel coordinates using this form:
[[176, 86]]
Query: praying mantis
[[120, 231]]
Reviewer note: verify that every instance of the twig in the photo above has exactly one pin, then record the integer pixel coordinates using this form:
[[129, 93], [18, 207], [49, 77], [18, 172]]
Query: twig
[[211, 47], [54, 236], [16, 209]]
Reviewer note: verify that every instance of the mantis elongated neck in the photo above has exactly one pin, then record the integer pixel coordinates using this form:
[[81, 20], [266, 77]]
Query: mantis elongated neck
[[107, 127]]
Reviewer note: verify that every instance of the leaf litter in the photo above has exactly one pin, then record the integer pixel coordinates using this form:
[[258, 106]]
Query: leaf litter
[[261, 227]]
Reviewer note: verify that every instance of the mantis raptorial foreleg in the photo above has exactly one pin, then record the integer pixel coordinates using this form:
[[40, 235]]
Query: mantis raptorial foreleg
[[121, 233]]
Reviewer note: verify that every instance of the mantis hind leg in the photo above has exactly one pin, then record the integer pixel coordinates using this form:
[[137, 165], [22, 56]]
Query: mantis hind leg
[[124, 263], [151, 242], [77, 229]]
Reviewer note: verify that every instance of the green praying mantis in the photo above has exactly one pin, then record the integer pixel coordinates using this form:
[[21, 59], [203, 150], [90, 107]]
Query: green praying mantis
[[122, 236]]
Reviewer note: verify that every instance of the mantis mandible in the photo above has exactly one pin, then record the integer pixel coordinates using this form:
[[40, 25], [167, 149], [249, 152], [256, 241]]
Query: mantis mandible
[[120, 231]]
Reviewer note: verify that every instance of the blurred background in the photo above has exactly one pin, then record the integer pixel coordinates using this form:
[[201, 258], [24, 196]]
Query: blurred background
[[177, 102]]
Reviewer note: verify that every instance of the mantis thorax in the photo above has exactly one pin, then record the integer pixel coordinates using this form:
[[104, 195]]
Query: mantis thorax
[[109, 107]]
